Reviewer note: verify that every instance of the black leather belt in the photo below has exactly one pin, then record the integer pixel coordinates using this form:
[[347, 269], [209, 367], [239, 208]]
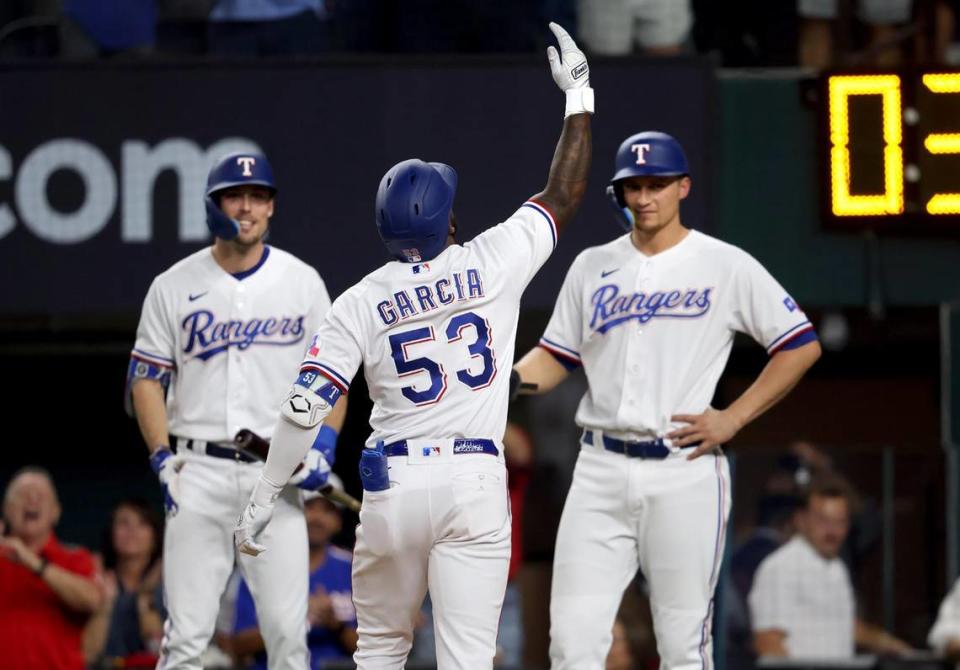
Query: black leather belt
[[656, 449], [460, 446], [209, 448]]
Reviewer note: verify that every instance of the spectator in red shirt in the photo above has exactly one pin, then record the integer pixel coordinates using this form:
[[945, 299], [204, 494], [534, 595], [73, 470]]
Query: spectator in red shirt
[[47, 589]]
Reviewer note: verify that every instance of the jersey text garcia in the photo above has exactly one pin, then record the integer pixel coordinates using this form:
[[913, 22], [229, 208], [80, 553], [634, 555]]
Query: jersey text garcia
[[455, 287]]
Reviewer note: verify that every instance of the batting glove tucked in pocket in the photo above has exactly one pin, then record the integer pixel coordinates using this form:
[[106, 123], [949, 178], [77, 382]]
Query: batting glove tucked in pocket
[[167, 467]]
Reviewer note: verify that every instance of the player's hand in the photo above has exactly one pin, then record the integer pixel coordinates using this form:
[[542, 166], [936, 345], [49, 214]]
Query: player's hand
[[711, 429], [569, 66], [167, 467], [315, 471], [255, 518]]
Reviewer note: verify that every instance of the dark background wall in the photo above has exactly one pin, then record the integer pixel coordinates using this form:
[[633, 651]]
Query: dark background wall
[[331, 131]]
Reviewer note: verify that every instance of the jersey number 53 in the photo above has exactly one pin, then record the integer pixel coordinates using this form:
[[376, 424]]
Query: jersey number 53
[[480, 348]]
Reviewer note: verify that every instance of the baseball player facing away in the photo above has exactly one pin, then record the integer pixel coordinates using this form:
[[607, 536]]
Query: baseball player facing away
[[221, 332], [651, 317], [434, 329]]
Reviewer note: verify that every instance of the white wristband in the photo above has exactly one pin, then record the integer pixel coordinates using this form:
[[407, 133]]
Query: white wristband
[[579, 100]]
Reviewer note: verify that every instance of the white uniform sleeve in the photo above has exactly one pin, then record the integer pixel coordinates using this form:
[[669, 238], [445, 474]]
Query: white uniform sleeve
[[765, 311], [522, 244], [335, 351], [947, 625], [564, 333], [156, 335], [770, 598]]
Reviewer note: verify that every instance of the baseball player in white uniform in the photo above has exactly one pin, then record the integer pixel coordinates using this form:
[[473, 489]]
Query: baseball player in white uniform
[[220, 334], [651, 317], [434, 330]]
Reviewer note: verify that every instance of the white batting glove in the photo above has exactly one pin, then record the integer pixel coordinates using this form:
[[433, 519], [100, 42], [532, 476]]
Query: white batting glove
[[571, 72], [167, 465], [255, 517]]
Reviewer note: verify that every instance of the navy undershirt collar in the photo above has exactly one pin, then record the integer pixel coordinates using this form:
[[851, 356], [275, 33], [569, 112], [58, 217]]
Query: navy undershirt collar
[[247, 273]]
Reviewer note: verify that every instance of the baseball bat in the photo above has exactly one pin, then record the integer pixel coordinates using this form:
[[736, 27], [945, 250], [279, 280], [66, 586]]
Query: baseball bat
[[254, 446]]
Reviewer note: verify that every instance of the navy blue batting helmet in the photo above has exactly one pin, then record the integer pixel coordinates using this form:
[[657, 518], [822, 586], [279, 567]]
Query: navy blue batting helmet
[[236, 169], [647, 154], [413, 209]]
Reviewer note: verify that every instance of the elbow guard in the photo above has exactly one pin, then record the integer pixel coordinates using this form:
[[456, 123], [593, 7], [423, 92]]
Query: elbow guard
[[309, 401]]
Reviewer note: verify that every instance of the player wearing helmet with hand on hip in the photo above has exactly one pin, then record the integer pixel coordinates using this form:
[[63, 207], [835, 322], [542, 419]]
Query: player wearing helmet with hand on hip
[[220, 334], [434, 330], [651, 317]]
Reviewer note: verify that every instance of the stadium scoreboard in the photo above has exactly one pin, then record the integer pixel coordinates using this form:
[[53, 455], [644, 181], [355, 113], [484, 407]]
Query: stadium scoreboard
[[890, 151]]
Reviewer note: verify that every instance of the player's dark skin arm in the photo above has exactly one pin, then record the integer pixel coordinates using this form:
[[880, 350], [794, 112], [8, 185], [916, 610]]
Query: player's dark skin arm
[[564, 192], [567, 181]]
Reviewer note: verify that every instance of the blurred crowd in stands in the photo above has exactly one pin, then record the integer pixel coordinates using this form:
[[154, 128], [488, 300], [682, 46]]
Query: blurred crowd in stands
[[789, 588], [739, 33]]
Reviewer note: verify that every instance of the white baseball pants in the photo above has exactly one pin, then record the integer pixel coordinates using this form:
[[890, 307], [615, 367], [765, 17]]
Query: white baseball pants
[[444, 525], [668, 518], [198, 558]]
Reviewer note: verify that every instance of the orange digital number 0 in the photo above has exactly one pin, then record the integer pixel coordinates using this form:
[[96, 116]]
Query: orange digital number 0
[[843, 202]]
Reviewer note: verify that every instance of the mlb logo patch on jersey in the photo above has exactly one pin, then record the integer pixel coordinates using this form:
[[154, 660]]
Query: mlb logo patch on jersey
[[431, 451], [421, 267], [790, 304]]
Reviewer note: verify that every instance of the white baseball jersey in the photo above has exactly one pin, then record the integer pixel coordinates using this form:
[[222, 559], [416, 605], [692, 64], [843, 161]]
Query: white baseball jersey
[[654, 333], [437, 338], [808, 597], [947, 625], [231, 341]]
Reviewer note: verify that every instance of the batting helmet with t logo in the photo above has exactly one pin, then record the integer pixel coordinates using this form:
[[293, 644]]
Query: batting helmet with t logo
[[647, 154], [413, 209], [236, 169]]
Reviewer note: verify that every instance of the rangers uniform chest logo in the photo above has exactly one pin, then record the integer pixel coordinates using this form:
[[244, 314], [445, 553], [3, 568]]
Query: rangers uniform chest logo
[[611, 308], [204, 336]]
